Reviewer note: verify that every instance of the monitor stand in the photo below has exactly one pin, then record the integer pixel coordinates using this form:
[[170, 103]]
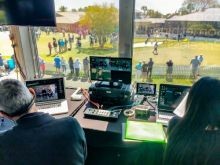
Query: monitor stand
[[108, 84]]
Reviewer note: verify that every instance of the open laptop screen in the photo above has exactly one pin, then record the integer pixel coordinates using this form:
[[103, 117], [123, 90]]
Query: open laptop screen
[[47, 89], [170, 96]]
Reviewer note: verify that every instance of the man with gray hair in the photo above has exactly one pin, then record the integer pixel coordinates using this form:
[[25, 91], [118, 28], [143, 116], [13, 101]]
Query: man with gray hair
[[37, 138]]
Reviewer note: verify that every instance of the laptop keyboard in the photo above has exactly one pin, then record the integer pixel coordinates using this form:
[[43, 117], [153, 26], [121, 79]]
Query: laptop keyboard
[[47, 106], [165, 115], [53, 108]]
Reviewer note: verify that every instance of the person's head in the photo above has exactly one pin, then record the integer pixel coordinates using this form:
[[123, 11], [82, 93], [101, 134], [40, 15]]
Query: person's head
[[196, 57], [150, 59], [70, 58], [202, 112], [203, 104], [15, 98]]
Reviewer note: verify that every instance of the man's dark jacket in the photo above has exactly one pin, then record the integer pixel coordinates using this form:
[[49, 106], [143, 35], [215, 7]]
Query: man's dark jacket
[[40, 139]]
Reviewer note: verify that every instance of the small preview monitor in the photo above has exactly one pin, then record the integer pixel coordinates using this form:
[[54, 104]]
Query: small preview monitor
[[146, 89], [111, 69]]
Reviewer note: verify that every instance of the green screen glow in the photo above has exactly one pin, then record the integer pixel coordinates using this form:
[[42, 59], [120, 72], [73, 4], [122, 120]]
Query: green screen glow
[[145, 131]]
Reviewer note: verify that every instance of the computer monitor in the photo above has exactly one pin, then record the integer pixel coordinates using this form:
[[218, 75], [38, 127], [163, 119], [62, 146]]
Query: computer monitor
[[170, 96], [27, 12], [111, 69], [146, 89]]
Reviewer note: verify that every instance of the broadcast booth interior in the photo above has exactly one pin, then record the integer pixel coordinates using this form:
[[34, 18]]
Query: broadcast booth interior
[[137, 78]]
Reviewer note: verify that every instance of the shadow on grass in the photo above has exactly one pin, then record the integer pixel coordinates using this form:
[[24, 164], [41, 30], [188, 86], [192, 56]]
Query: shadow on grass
[[84, 79], [97, 51]]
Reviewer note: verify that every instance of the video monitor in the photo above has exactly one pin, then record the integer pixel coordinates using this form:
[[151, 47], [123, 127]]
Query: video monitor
[[27, 12], [170, 96], [47, 89], [111, 69], [146, 89]]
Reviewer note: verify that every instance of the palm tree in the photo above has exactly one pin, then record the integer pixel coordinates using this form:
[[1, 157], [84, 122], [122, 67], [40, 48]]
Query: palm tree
[[63, 9], [144, 8]]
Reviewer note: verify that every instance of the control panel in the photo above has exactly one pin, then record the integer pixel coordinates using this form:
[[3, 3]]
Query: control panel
[[101, 114]]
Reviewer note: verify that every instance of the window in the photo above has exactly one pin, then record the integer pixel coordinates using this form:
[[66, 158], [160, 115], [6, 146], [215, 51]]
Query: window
[[7, 61], [182, 40], [83, 29]]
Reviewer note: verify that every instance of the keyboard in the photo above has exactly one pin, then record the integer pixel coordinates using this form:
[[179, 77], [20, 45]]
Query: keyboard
[[165, 115], [47, 106], [53, 108], [164, 118], [101, 114]]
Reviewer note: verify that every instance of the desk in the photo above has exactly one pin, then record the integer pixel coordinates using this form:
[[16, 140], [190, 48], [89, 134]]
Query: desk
[[105, 145]]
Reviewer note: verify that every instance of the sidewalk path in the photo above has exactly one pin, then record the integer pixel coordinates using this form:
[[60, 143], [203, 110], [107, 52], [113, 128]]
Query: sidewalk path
[[149, 44]]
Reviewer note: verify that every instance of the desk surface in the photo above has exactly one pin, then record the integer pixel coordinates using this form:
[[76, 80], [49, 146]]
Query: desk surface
[[105, 144]]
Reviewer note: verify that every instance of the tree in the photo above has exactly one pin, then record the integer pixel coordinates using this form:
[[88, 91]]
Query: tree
[[199, 5], [194, 26], [154, 14], [82, 9], [74, 10], [144, 8], [102, 20], [186, 9], [63, 9]]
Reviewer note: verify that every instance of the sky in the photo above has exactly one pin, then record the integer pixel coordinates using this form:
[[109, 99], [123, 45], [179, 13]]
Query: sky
[[70, 4], [163, 6]]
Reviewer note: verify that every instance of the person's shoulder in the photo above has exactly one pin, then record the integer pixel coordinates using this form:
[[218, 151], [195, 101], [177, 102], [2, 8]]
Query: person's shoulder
[[5, 136], [71, 125], [68, 121], [172, 123]]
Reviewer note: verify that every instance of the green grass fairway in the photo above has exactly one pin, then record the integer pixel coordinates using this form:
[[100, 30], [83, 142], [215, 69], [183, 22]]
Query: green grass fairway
[[86, 50], [180, 52]]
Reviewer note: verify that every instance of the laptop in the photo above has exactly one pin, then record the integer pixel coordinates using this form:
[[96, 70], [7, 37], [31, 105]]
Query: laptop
[[170, 96], [50, 95]]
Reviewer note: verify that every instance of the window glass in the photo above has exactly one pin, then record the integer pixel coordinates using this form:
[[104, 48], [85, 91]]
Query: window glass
[[181, 37], [7, 60], [84, 29]]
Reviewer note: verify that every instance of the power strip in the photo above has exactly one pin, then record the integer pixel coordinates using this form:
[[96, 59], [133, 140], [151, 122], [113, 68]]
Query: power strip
[[101, 114]]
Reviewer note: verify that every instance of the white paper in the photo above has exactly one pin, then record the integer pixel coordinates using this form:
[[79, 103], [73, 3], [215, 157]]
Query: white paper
[[180, 109]]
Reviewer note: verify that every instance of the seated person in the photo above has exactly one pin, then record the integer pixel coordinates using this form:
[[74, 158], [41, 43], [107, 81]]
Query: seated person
[[194, 138], [38, 138]]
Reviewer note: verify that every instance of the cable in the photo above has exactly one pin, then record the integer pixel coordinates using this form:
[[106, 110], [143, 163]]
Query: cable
[[150, 103], [86, 95]]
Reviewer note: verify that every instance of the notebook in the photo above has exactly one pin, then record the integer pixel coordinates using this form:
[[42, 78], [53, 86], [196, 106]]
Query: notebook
[[50, 95], [144, 131], [170, 96]]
